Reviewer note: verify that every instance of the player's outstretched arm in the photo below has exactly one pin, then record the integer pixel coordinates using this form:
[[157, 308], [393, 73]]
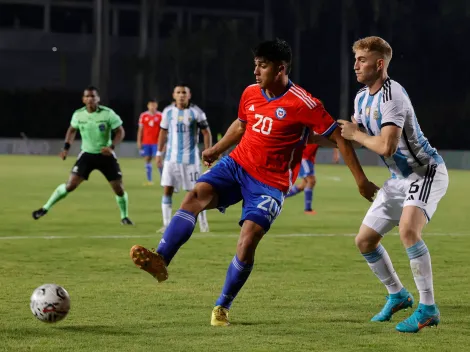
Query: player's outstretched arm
[[385, 144], [233, 136], [366, 188], [69, 138]]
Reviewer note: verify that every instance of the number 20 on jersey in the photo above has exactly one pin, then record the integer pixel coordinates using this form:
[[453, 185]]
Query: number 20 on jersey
[[263, 124]]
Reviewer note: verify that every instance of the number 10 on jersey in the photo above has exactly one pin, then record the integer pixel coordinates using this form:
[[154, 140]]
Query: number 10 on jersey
[[263, 125]]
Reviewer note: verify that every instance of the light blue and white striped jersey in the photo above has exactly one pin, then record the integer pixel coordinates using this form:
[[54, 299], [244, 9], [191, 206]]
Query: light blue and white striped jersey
[[391, 105], [183, 133]]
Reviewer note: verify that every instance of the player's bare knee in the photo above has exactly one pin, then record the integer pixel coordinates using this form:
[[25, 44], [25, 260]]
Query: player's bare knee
[[311, 182], [203, 196], [119, 191], [409, 234], [70, 186], [117, 187], [190, 198], [246, 248], [194, 202], [366, 243], [361, 243]]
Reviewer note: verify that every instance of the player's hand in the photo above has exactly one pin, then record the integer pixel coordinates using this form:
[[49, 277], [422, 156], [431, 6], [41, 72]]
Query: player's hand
[[209, 156], [139, 146], [108, 151], [348, 129], [368, 190], [63, 154], [159, 161]]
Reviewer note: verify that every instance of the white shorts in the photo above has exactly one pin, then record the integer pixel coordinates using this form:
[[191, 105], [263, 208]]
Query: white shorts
[[423, 189], [180, 175]]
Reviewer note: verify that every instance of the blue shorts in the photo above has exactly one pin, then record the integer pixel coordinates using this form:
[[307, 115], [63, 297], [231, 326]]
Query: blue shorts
[[307, 168], [261, 203], [149, 150]]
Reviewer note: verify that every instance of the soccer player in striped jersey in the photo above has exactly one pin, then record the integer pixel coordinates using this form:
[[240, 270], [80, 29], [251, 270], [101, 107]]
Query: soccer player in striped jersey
[[147, 136], [275, 118], [181, 124], [307, 174], [385, 122]]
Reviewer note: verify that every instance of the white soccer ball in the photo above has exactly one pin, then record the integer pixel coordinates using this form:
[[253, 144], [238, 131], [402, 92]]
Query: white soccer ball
[[50, 303]]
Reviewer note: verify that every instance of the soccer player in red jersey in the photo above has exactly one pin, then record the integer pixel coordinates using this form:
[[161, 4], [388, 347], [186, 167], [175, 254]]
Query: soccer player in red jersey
[[275, 119], [147, 136], [307, 174]]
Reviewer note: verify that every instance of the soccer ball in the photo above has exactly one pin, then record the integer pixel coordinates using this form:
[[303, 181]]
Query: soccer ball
[[50, 303]]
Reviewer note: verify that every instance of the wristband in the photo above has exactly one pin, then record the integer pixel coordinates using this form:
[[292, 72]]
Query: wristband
[[112, 146], [159, 153], [66, 146]]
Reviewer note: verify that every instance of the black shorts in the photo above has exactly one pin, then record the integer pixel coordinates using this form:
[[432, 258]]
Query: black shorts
[[108, 165]]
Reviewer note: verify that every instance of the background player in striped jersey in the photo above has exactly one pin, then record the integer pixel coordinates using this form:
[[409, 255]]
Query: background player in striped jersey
[[181, 124], [385, 122], [307, 175], [275, 118], [95, 123], [147, 136]]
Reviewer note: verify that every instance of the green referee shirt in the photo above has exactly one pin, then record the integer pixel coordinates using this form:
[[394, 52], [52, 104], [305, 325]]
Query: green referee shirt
[[95, 128]]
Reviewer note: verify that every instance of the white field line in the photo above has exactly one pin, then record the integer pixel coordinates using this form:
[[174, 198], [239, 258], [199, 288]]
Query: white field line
[[209, 235]]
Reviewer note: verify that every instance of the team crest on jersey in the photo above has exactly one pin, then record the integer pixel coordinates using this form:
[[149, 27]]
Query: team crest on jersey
[[180, 118], [376, 115], [280, 113], [102, 127]]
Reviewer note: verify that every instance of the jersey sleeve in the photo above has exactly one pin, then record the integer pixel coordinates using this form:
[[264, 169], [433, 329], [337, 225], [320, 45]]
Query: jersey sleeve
[[241, 107], [356, 115], [202, 120], [141, 120], [164, 123], [317, 118], [114, 120], [393, 113], [74, 121]]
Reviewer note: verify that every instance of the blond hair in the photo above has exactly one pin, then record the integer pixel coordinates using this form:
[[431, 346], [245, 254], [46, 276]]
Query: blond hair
[[376, 44]]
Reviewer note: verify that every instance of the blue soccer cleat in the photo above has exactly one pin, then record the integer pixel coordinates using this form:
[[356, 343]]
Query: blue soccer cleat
[[395, 302], [425, 315]]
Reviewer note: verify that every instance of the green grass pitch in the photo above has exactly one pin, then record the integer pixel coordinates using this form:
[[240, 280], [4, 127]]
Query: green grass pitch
[[310, 289]]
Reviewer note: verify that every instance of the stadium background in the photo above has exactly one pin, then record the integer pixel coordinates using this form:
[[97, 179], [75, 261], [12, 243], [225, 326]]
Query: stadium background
[[133, 49]]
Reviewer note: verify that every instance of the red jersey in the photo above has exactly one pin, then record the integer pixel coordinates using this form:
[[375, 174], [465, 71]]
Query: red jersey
[[150, 127], [310, 152], [277, 130]]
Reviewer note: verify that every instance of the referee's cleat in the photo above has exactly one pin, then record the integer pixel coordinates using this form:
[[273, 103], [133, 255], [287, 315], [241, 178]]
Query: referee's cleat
[[39, 213], [126, 221]]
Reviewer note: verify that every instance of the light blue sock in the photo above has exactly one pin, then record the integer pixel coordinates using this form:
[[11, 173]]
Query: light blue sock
[[417, 250]]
